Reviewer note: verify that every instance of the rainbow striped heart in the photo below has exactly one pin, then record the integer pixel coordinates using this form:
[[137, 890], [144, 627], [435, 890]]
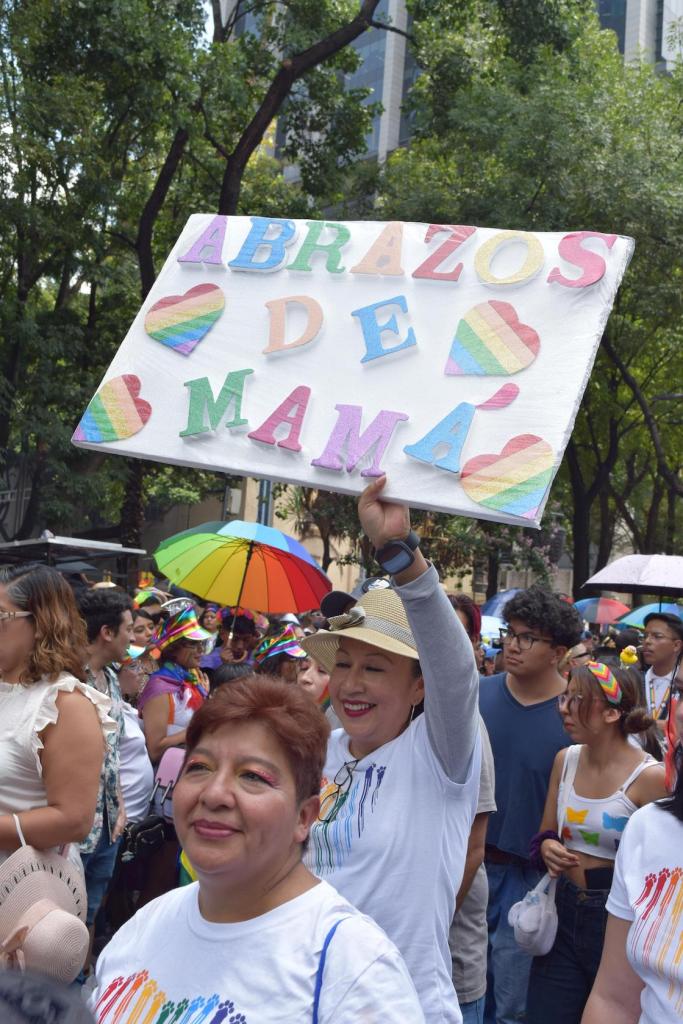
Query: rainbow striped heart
[[181, 321]]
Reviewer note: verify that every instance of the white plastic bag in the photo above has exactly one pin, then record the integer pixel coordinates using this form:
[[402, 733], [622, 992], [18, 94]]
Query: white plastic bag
[[534, 919]]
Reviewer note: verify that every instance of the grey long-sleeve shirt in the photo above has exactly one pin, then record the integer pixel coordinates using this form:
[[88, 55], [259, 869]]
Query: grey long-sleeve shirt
[[449, 670]]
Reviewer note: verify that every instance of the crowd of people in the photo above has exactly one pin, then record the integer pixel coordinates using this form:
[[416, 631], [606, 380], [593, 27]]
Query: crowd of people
[[209, 815]]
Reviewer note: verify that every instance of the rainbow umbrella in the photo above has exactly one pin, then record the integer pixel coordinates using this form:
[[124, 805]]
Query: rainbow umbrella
[[246, 565], [603, 610], [637, 616]]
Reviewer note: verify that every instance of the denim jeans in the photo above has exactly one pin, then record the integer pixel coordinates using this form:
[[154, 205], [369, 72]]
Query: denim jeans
[[98, 868], [561, 981], [508, 966], [473, 1013]]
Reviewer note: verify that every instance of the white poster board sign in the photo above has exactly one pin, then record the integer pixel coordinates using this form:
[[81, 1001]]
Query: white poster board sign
[[452, 358]]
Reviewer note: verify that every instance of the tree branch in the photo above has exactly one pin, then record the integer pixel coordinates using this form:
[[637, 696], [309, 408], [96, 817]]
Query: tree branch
[[392, 28], [152, 208], [291, 69], [669, 475]]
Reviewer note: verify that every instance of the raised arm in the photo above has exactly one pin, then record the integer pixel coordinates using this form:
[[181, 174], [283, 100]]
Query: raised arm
[[446, 656]]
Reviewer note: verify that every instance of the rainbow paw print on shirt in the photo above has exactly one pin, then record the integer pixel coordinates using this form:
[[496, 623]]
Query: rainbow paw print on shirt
[[181, 321], [144, 1002]]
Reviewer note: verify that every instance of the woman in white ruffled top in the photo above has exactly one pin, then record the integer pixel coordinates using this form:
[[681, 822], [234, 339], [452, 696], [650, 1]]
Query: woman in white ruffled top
[[51, 722]]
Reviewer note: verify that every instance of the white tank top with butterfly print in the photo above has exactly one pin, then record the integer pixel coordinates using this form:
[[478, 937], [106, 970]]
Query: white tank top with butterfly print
[[595, 826]]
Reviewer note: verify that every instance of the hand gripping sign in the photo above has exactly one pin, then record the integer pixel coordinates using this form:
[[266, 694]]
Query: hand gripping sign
[[451, 357]]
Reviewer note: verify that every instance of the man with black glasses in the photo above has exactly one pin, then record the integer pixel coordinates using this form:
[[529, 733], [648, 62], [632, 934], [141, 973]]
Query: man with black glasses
[[519, 707]]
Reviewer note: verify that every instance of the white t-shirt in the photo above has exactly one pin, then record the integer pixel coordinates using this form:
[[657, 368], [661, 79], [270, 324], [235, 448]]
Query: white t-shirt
[[396, 849], [648, 890], [262, 971], [135, 768]]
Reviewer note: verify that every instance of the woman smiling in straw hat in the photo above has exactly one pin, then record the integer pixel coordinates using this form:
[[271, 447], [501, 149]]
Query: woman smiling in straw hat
[[399, 793]]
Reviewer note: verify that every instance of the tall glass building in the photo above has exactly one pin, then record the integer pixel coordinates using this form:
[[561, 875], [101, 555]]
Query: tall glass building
[[642, 27]]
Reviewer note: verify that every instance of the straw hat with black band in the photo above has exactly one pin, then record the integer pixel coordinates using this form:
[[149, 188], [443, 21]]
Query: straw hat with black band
[[376, 617]]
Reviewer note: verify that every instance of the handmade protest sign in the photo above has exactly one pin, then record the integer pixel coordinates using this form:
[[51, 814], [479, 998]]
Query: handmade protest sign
[[323, 353]]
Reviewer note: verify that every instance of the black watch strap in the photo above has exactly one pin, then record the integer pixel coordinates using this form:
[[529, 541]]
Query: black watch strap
[[396, 555]]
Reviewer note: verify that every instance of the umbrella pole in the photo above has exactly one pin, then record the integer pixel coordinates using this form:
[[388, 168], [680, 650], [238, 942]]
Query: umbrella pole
[[250, 551]]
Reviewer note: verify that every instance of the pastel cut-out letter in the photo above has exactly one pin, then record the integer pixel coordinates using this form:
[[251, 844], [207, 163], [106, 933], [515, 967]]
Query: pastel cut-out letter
[[269, 236], [384, 255], [312, 245], [181, 321], [115, 412], [451, 432], [291, 412], [590, 263], [487, 252], [209, 246], [514, 481], [458, 235], [373, 330], [204, 406], [346, 435], [278, 322], [490, 340]]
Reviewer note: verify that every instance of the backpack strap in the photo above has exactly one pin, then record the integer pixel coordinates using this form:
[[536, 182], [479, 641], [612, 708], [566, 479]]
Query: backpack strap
[[321, 968]]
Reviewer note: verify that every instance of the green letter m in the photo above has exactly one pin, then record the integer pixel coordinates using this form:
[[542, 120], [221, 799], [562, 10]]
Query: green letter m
[[203, 405]]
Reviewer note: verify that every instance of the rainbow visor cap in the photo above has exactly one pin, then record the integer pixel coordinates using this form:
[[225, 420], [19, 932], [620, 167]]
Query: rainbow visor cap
[[285, 642], [181, 625]]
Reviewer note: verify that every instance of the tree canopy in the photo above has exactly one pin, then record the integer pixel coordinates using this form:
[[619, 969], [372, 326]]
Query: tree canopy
[[122, 117]]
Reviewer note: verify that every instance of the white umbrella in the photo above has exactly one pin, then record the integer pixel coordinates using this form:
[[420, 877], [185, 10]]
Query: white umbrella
[[642, 574], [491, 626]]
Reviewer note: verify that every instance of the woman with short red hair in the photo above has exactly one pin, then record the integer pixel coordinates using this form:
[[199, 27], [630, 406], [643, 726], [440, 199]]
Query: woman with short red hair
[[257, 938]]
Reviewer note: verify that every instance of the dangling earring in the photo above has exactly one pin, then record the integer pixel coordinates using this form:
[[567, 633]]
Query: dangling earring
[[412, 714]]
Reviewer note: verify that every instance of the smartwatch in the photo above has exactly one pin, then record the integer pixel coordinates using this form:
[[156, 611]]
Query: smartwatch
[[397, 555]]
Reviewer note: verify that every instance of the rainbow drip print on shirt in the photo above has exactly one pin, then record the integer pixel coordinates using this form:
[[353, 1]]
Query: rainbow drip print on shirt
[[655, 938], [332, 838], [138, 999]]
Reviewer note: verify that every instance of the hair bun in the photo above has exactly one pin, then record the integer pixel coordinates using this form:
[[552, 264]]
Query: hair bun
[[638, 720]]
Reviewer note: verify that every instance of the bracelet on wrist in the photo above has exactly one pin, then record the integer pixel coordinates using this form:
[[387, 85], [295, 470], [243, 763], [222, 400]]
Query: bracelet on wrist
[[535, 847]]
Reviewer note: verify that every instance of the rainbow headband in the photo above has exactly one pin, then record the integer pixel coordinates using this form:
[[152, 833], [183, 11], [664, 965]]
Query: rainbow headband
[[608, 681]]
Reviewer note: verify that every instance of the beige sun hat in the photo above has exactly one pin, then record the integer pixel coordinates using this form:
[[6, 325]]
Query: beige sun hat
[[43, 903], [377, 617]]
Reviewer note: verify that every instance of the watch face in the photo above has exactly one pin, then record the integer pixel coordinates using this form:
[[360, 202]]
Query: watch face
[[395, 557]]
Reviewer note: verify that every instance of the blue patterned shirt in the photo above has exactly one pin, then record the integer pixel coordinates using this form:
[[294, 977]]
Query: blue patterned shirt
[[109, 792]]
